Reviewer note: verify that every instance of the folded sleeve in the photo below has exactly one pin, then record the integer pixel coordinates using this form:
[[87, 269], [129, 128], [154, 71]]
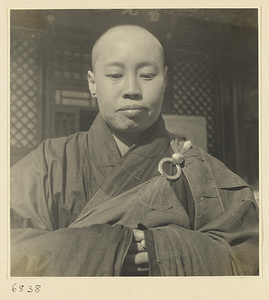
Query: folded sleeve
[[98, 250], [225, 246], [41, 245]]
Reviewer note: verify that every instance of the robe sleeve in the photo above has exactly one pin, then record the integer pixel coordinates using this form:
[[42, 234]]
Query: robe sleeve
[[225, 246], [39, 247]]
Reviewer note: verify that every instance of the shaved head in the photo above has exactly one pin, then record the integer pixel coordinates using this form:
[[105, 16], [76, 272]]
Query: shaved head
[[128, 79], [123, 33]]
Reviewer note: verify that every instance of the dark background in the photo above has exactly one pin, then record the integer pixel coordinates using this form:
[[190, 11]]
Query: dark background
[[212, 56]]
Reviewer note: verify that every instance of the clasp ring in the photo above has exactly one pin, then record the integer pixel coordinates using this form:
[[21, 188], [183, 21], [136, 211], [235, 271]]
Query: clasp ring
[[170, 177]]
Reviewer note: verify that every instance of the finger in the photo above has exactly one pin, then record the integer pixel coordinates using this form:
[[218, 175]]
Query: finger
[[137, 259], [136, 248], [138, 235]]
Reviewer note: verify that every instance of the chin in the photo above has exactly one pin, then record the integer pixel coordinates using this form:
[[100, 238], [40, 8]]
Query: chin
[[135, 129], [129, 126]]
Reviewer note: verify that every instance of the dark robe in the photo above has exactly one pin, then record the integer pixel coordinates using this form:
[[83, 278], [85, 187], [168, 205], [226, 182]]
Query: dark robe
[[75, 201]]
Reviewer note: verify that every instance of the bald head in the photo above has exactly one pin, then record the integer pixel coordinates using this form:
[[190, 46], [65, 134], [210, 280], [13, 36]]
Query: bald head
[[128, 80], [125, 34]]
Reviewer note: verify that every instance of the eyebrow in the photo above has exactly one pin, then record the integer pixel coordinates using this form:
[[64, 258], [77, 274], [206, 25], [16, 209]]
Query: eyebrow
[[114, 64], [148, 64], [140, 64]]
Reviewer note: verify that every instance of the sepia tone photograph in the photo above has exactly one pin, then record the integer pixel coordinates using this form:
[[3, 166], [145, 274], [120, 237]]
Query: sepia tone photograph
[[134, 142]]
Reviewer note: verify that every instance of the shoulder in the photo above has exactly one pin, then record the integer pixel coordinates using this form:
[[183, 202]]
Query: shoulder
[[198, 160], [58, 145], [56, 149], [222, 175]]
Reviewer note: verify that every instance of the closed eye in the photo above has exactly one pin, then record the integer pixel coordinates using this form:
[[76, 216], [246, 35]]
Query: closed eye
[[148, 76], [114, 76]]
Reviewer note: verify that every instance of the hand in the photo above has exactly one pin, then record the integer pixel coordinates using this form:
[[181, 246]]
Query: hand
[[136, 262]]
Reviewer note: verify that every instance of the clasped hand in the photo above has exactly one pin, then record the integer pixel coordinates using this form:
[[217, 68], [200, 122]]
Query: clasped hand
[[136, 262]]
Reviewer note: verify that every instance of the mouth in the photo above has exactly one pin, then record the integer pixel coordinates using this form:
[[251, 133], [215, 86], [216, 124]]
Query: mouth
[[131, 107]]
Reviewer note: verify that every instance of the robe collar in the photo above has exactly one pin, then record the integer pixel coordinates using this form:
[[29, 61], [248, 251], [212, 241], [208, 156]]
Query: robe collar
[[104, 150]]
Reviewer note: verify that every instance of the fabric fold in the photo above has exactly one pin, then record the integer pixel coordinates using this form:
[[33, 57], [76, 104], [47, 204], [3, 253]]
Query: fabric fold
[[224, 247], [98, 250], [205, 223]]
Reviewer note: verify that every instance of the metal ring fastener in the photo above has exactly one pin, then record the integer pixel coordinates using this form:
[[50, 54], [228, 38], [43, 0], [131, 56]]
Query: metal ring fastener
[[170, 177]]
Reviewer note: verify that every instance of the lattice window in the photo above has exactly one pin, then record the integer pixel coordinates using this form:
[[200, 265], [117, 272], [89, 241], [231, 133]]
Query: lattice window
[[23, 93], [192, 94], [69, 64]]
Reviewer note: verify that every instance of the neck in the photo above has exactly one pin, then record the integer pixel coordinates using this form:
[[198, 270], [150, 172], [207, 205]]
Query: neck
[[123, 148], [128, 139], [124, 139]]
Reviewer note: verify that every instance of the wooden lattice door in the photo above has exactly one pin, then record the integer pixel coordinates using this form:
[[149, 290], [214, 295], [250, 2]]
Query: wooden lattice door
[[25, 94], [192, 91]]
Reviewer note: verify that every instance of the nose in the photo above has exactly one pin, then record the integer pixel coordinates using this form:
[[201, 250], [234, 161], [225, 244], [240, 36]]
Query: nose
[[132, 89]]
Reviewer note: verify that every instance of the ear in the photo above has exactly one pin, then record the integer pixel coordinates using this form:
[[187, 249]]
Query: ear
[[92, 84], [165, 75]]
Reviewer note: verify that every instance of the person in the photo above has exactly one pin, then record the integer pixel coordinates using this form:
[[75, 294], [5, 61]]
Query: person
[[127, 198]]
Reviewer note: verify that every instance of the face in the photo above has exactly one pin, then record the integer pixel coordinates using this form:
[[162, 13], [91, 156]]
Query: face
[[129, 80]]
